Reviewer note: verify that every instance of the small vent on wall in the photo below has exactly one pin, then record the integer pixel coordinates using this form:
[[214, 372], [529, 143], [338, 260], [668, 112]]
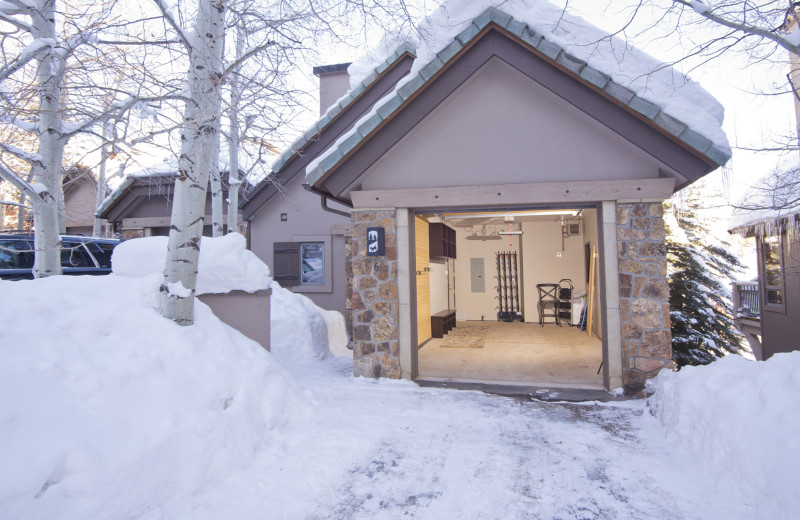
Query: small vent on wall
[[572, 229]]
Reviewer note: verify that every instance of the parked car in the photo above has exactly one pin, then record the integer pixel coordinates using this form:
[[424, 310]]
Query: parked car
[[79, 255]]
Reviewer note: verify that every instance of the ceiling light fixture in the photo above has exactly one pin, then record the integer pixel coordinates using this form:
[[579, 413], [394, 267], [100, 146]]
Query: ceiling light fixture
[[511, 214]]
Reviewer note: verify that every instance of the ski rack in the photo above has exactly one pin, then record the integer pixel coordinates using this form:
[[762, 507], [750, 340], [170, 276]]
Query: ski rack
[[508, 294]]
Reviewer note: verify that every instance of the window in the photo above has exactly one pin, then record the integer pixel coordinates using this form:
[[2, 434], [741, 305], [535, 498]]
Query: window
[[312, 263], [304, 264], [772, 270], [15, 254], [74, 255]]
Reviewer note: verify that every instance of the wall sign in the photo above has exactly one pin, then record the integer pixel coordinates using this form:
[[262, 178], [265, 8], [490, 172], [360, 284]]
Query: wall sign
[[376, 241]]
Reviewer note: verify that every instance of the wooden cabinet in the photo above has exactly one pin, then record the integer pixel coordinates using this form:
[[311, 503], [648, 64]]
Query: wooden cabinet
[[442, 323], [442, 240]]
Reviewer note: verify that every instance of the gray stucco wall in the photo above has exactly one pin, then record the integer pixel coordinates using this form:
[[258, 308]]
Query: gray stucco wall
[[304, 218], [79, 207], [246, 312], [514, 131]]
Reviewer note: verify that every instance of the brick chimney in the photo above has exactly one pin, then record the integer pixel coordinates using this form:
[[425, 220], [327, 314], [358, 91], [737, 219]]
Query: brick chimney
[[334, 82]]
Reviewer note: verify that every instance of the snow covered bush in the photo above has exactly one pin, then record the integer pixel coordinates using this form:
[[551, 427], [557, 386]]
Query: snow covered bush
[[109, 409], [741, 418]]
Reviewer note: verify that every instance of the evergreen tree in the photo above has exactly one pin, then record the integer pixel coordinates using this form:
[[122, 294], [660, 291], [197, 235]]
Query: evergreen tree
[[701, 268]]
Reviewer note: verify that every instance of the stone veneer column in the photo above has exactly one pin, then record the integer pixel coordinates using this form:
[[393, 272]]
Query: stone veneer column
[[643, 291], [374, 299], [348, 280]]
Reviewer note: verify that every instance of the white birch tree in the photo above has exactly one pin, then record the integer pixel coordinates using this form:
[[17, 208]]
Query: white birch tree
[[53, 88], [200, 130]]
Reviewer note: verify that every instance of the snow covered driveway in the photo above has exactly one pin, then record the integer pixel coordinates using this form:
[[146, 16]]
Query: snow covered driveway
[[390, 449]]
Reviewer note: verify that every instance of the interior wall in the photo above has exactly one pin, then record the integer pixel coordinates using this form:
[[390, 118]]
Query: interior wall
[[438, 287], [478, 305], [544, 261], [590, 235], [423, 280]]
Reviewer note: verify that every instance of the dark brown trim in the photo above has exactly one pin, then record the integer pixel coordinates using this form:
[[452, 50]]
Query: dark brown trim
[[325, 195], [338, 126], [575, 90]]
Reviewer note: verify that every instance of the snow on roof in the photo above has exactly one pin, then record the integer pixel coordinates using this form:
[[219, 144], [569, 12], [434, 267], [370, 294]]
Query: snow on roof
[[169, 168], [774, 198], [657, 91]]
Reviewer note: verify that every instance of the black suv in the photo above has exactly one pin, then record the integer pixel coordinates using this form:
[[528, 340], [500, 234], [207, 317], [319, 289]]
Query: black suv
[[79, 255]]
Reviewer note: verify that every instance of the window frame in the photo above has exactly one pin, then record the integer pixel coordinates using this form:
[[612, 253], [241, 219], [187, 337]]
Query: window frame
[[327, 285], [765, 304]]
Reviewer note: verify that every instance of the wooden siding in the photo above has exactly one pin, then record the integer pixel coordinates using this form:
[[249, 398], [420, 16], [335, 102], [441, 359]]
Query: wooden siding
[[781, 329], [423, 277]]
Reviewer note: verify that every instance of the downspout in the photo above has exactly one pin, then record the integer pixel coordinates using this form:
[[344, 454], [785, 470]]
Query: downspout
[[324, 201]]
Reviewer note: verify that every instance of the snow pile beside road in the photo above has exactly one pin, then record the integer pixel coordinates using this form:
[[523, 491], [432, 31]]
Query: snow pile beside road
[[301, 332], [225, 263], [742, 419], [108, 409]]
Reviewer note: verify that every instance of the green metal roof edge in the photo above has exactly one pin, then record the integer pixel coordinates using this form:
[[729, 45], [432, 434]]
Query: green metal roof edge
[[599, 79]]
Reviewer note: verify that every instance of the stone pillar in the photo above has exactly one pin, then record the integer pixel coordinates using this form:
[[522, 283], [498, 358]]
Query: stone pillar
[[348, 280], [643, 291], [374, 299]]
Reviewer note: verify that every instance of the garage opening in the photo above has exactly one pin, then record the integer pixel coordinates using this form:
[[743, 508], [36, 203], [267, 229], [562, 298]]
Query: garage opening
[[509, 297]]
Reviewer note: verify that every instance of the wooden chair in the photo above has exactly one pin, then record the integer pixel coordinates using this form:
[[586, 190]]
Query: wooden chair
[[548, 302]]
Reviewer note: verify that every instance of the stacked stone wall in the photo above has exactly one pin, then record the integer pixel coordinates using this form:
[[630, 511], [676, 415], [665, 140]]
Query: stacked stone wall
[[348, 290], [374, 303], [643, 291]]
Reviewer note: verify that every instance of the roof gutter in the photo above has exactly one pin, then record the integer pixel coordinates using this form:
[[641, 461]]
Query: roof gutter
[[324, 196]]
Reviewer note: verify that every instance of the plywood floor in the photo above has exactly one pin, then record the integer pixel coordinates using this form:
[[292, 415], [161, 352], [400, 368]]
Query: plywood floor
[[519, 353]]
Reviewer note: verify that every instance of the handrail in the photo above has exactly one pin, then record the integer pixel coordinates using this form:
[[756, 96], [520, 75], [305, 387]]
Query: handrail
[[746, 300]]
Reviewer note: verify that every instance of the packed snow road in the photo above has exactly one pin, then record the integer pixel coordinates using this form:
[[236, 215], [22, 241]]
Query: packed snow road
[[389, 449]]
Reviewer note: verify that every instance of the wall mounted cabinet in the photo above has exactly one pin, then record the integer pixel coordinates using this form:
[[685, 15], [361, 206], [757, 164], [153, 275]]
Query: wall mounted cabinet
[[442, 240]]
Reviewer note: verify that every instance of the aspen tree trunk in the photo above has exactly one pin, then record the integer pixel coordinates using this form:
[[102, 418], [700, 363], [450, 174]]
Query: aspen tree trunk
[[233, 150], [47, 172], [217, 209], [21, 213], [105, 152], [200, 130]]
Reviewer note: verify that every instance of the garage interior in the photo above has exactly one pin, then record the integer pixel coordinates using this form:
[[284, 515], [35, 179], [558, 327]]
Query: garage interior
[[484, 282]]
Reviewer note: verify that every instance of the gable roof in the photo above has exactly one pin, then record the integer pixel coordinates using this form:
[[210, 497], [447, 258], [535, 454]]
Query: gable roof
[[336, 121], [699, 145], [139, 186]]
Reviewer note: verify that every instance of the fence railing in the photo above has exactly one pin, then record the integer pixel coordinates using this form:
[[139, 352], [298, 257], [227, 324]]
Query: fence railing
[[746, 300]]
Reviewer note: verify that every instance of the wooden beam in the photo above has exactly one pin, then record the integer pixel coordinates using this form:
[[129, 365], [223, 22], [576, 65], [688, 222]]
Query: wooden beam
[[150, 222], [515, 194]]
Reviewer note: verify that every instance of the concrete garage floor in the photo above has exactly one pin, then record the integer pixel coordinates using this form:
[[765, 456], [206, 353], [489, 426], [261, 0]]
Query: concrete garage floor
[[518, 353]]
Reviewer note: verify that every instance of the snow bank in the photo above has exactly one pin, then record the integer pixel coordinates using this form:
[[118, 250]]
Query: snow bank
[[108, 409], [741, 419], [225, 263], [300, 331]]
